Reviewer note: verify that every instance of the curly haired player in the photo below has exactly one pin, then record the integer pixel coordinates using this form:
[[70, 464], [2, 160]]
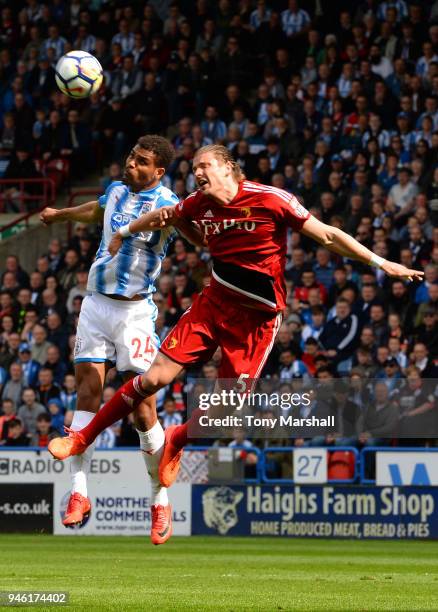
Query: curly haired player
[[117, 321]]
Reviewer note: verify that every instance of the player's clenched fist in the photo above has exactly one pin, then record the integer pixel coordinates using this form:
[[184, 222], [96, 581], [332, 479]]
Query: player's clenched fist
[[164, 216], [48, 215]]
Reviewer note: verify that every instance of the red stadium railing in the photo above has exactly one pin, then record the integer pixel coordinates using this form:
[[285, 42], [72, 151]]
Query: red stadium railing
[[21, 197]]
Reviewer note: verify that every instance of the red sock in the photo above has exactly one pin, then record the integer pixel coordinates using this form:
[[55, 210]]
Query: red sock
[[180, 434], [123, 403]]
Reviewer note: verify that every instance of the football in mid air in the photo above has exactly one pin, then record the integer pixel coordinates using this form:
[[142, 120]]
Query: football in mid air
[[78, 74]]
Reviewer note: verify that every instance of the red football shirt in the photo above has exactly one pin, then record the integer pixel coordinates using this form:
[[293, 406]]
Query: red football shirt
[[249, 233]]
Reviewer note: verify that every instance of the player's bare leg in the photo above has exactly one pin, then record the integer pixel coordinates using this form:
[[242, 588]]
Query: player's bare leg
[[151, 436], [89, 379], [162, 371]]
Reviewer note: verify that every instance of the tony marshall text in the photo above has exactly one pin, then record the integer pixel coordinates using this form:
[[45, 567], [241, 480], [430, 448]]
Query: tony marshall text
[[270, 423]]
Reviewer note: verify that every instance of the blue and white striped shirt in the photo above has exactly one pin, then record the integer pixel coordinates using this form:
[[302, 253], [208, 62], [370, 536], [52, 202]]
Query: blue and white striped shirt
[[134, 269], [57, 44], [423, 64], [400, 5], [87, 44], [256, 20], [126, 41], [293, 23]]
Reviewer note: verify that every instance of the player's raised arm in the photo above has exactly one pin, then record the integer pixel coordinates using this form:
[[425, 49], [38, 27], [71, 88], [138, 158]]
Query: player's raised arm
[[339, 242], [90, 212]]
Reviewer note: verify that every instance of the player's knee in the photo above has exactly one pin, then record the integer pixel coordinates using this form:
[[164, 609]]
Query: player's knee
[[154, 379]]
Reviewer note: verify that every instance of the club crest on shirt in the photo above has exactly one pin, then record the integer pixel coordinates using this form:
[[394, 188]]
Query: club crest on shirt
[[172, 342], [147, 206], [246, 211]]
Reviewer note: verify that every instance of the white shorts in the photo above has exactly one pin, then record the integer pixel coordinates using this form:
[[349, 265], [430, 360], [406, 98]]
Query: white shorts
[[119, 331]]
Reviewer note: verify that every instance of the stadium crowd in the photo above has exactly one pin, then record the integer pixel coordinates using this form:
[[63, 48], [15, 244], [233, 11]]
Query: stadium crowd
[[334, 102]]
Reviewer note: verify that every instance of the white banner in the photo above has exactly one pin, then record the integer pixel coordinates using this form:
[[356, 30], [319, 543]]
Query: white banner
[[123, 508], [406, 468], [118, 487], [39, 466]]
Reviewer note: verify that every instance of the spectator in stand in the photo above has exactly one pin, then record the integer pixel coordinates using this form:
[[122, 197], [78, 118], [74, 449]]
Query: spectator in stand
[[29, 410], [169, 415], [14, 387], [29, 366], [47, 389], [340, 335], [39, 344], [16, 434], [8, 413], [44, 432], [56, 414]]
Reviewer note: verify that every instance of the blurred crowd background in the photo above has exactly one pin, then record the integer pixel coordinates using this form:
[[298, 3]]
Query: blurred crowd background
[[336, 102]]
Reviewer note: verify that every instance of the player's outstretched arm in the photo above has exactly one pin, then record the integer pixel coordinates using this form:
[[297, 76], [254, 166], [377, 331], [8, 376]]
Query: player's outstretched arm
[[152, 221], [339, 242], [90, 212]]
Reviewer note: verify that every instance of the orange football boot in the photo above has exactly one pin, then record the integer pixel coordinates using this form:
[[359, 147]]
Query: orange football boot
[[73, 444], [78, 509], [161, 528], [170, 461]]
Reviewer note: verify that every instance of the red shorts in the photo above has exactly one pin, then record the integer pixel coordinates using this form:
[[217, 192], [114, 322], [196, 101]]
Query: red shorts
[[245, 335]]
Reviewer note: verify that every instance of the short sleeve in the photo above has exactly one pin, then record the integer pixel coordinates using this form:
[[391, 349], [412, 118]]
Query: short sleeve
[[170, 199], [102, 200], [186, 209], [293, 212]]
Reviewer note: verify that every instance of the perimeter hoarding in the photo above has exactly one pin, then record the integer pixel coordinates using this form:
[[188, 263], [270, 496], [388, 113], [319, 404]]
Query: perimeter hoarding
[[119, 491], [357, 512]]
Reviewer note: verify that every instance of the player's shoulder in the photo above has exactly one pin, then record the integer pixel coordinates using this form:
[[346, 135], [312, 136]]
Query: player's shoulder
[[116, 187], [193, 196], [166, 197], [191, 201], [115, 184], [269, 193], [277, 199]]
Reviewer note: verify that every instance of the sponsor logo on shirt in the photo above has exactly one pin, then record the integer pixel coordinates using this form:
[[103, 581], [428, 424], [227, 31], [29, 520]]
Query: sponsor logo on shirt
[[211, 228], [118, 219]]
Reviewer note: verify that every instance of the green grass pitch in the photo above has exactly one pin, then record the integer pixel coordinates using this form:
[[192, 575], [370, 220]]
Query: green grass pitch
[[211, 573]]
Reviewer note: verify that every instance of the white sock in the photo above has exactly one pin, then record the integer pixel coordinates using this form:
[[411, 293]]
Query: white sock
[[152, 444], [80, 464]]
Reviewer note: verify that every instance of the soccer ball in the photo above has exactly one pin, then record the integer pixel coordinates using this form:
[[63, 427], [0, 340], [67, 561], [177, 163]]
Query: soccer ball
[[78, 74]]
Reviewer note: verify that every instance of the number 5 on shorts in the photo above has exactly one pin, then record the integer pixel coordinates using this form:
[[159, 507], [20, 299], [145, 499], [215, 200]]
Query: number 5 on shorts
[[241, 385]]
